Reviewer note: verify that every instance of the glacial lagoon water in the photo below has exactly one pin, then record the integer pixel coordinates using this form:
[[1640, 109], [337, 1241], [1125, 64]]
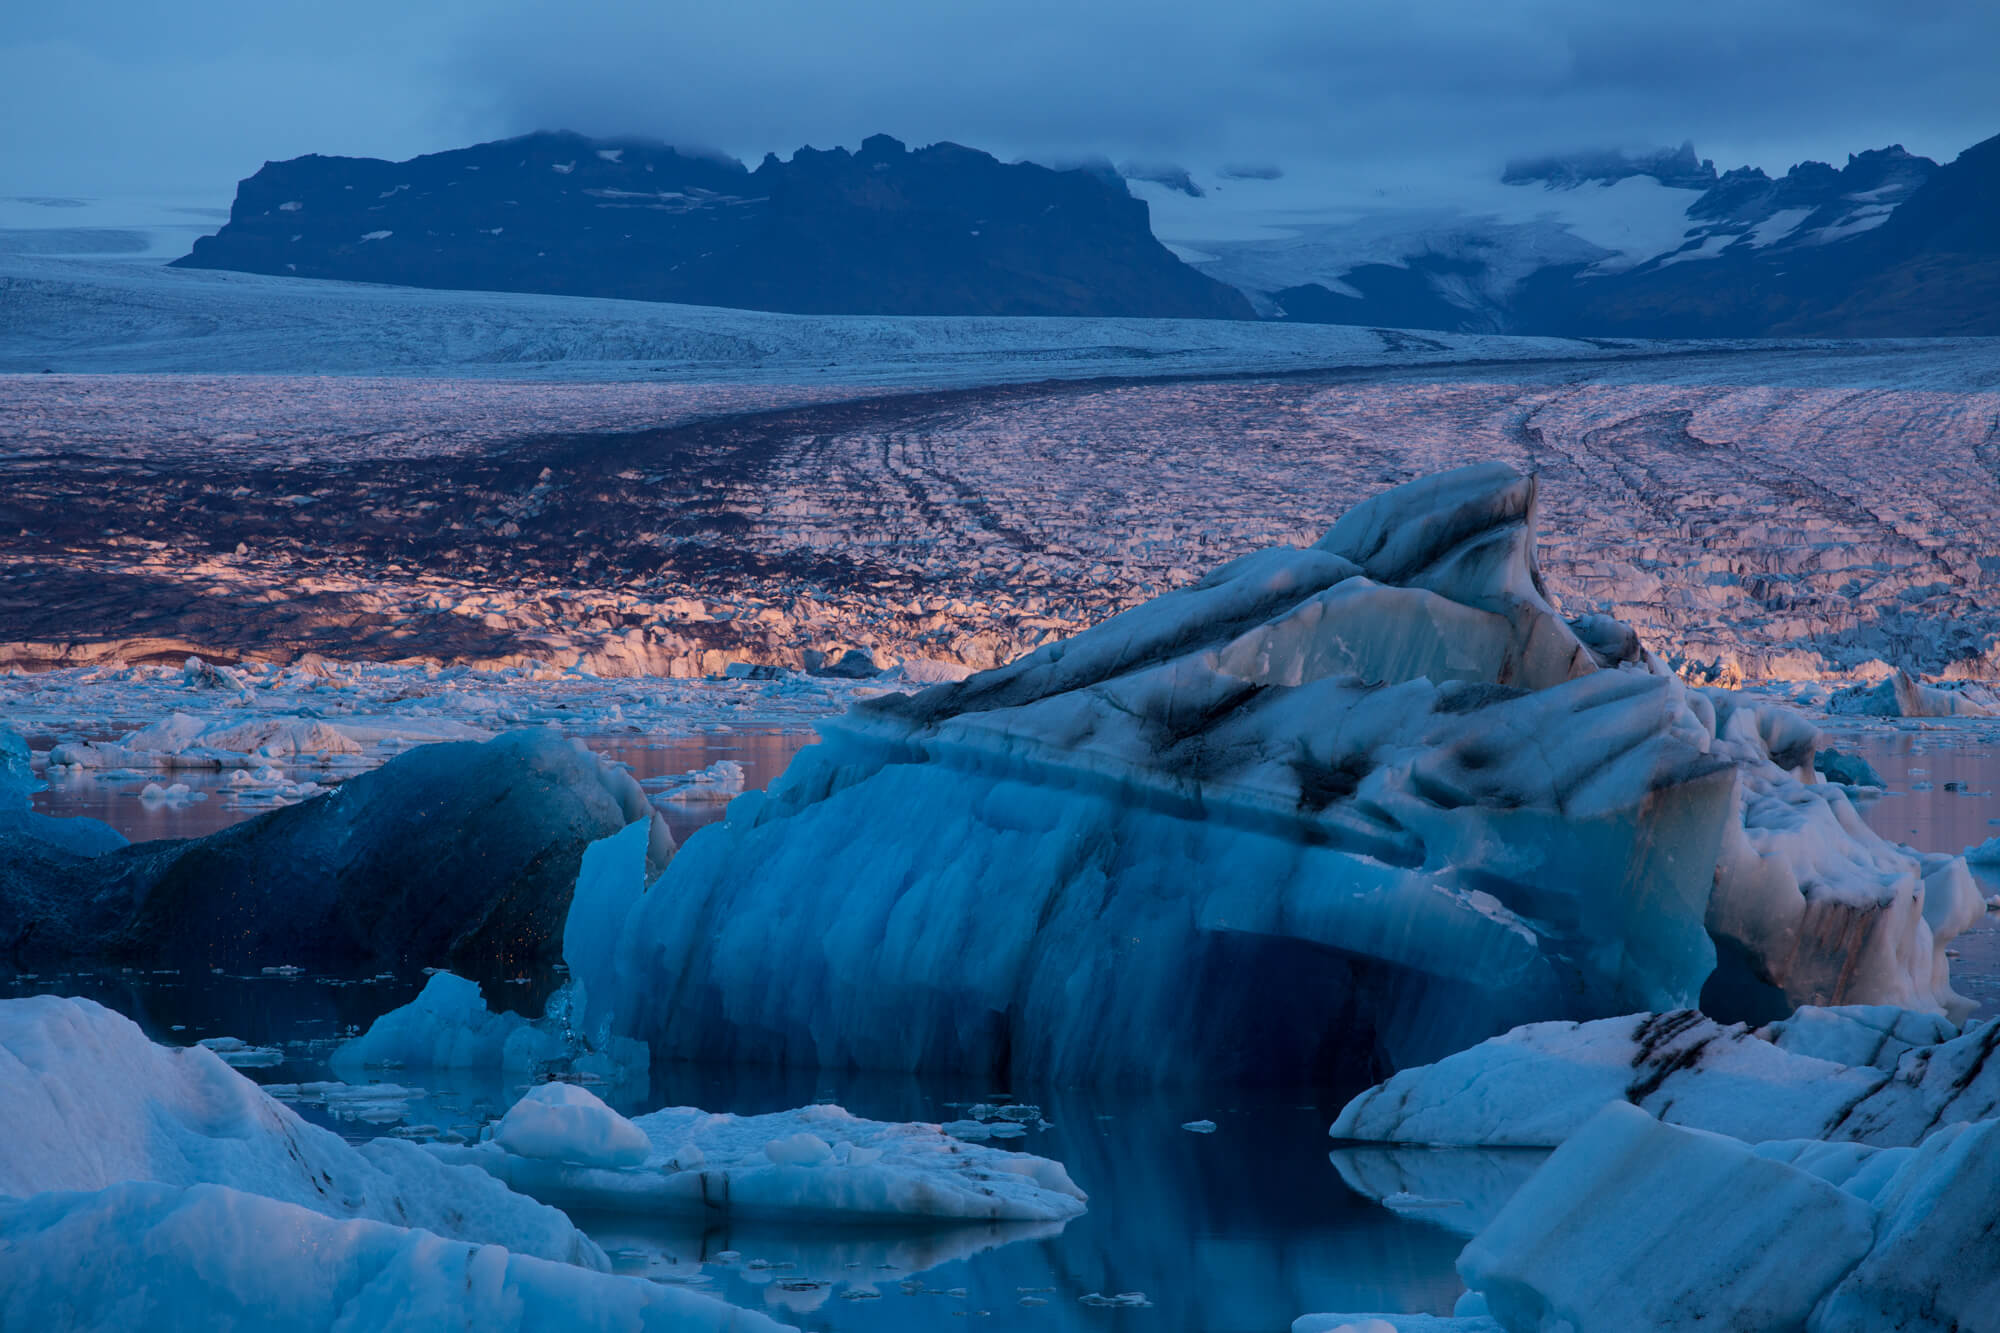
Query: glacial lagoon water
[[1243, 1228]]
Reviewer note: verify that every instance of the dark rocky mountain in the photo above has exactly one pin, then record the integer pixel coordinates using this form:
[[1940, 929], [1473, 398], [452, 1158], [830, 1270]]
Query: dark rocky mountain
[[943, 230], [1892, 247]]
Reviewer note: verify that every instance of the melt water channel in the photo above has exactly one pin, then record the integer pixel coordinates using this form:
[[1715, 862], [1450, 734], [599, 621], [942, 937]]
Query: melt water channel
[[1244, 1228]]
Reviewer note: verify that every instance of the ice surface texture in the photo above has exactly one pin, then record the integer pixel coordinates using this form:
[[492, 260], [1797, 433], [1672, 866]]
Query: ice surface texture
[[1873, 1075], [89, 1102], [1328, 810], [451, 853], [143, 1255], [1638, 1223], [448, 1026], [563, 1146]]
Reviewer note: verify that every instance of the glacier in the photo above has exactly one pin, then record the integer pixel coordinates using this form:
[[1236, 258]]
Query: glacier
[[1328, 812]]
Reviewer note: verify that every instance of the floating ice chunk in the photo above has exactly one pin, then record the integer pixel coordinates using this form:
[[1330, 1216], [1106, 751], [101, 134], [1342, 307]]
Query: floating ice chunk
[[1986, 853], [1634, 1224], [560, 1122], [1536, 1085], [240, 1054], [177, 794], [448, 852], [1850, 769], [18, 782], [164, 1257], [799, 1150], [449, 1027], [87, 1101], [720, 781], [1903, 695], [818, 1162]]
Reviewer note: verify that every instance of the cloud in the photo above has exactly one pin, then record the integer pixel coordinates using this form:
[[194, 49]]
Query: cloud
[[116, 89]]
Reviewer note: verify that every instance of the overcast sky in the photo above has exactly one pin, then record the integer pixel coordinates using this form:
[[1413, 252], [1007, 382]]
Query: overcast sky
[[105, 96]]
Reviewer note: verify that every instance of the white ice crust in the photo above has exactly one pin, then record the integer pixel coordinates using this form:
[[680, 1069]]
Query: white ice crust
[[189, 1259], [817, 1163], [1867, 1075], [88, 1102], [1637, 1225], [448, 1026]]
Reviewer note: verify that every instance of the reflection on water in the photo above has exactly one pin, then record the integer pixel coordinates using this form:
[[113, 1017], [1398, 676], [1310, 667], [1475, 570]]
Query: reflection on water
[[115, 796], [1242, 1229], [1942, 779], [1246, 1228]]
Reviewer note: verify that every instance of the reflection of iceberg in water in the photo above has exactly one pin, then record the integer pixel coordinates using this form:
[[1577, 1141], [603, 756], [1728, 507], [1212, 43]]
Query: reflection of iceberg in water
[[798, 1268], [1457, 1189]]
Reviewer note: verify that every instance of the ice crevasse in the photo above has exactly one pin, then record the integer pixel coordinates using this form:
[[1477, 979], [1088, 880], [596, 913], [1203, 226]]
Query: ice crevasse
[[1329, 811]]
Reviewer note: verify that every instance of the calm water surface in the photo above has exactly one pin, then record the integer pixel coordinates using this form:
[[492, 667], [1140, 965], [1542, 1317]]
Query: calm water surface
[[1243, 1229]]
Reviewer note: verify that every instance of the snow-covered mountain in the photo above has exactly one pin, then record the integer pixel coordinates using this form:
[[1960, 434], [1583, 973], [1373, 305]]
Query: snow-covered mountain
[[1654, 243]]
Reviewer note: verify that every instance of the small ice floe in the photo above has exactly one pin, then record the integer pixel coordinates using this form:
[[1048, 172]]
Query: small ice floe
[[564, 1146], [89, 1105], [266, 786], [720, 781], [1124, 1300], [284, 970], [177, 795], [561, 1122], [369, 1103], [1199, 1127], [240, 1054]]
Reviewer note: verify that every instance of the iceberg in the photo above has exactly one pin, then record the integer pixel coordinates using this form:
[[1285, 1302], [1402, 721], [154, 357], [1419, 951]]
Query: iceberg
[[147, 1255], [21, 823], [563, 1146], [186, 741], [1862, 1075], [1903, 695], [452, 854], [1633, 1224], [88, 1102], [448, 1026], [1327, 812]]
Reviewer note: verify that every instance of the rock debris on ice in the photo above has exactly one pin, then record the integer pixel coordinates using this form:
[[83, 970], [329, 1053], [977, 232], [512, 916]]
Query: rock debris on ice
[[1873, 1075]]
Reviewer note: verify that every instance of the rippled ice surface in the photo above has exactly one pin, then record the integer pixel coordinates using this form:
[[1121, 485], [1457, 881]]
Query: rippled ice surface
[[1242, 1229]]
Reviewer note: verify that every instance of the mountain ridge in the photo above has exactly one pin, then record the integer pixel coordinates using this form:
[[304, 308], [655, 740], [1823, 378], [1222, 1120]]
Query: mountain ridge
[[940, 230]]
